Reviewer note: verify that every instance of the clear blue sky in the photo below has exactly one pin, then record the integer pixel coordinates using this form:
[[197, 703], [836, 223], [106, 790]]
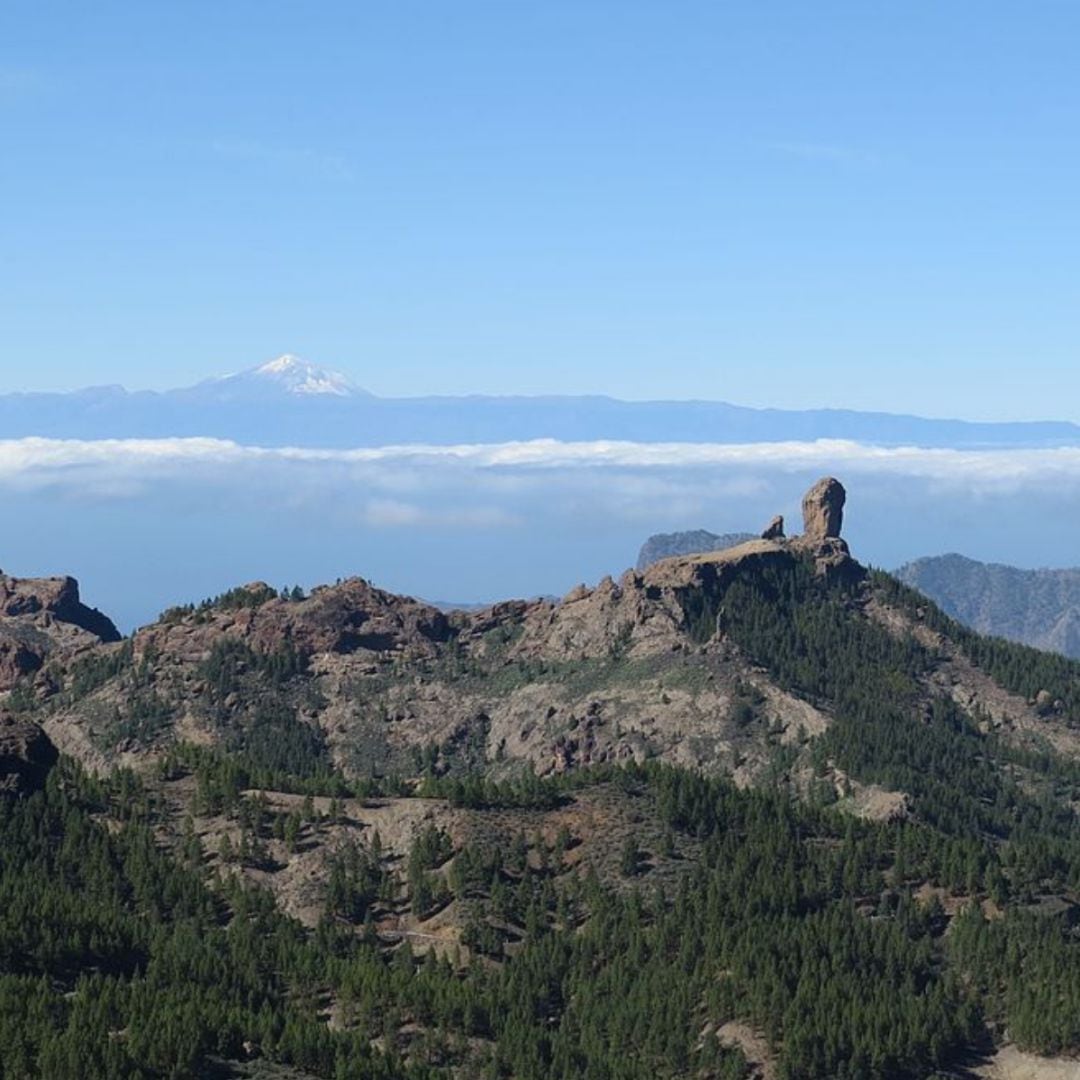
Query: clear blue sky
[[787, 203]]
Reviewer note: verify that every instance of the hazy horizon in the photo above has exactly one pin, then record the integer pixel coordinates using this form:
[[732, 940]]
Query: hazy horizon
[[792, 207], [356, 379]]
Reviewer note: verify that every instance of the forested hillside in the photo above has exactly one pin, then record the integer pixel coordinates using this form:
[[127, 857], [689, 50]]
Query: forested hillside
[[756, 813]]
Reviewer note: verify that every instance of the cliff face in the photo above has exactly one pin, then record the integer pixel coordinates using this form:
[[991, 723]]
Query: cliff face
[[42, 618]]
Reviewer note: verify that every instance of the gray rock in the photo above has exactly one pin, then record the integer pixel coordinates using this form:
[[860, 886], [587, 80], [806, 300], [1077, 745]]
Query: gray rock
[[823, 510], [775, 529]]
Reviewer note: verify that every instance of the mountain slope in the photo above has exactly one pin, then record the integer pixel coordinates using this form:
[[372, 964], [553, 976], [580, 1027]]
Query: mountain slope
[[1037, 607], [283, 379], [758, 797], [670, 663]]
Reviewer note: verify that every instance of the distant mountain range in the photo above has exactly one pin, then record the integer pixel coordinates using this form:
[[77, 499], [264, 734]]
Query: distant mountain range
[[694, 542], [291, 402], [1037, 607], [1034, 607]]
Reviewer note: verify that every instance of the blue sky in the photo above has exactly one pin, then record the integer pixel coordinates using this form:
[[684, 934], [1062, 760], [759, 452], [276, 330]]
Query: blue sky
[[793, 204]]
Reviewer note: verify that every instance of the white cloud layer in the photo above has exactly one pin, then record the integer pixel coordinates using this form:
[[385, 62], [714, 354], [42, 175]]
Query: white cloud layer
[[122, 467], [166, 519]]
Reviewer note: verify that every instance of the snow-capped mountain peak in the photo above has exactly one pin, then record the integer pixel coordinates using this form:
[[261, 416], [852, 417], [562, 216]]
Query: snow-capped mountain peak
[[299, 377]]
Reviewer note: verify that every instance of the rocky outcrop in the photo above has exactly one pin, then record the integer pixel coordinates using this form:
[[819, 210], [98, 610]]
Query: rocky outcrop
[[636, 667], [775, 529], [823, 510], [823, 518], [53, 599], [21, 654], [26, 756], [42, 617], [352, 616]]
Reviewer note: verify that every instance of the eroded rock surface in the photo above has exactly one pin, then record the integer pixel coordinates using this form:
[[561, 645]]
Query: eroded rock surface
[[26, 756], [775, 529], [43, 617]]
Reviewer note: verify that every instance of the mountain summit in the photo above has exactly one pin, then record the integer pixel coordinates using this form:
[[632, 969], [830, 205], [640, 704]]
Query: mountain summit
[[287, 374], [299, 377]]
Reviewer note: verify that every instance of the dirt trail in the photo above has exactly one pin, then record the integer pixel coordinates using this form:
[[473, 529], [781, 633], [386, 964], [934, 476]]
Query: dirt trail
[[1012, 1064]]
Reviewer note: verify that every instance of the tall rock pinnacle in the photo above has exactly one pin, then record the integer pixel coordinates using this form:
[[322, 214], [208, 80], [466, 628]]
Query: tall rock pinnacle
[[823, 510]]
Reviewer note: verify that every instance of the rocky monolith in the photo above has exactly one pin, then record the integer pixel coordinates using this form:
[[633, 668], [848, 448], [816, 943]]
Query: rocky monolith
[[823, 510]]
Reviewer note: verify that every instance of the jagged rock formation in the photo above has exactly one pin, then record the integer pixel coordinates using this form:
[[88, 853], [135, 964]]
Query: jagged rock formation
[[823, 508], [653, 665], [823, 520], [634, 668], [694, 542], [40, 617], [350, 617], [775, 529], [26, 756], [1036, 607]]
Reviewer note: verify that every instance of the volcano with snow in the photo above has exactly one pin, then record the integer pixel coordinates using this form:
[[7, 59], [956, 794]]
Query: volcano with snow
[[287, 374], [291, 402]]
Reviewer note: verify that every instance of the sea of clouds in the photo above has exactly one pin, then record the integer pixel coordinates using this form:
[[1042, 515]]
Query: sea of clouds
[[185, 516]]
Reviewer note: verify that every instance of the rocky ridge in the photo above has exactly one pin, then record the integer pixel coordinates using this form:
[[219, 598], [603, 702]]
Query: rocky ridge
[[631, 669], [605, 674], [43, 618]]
